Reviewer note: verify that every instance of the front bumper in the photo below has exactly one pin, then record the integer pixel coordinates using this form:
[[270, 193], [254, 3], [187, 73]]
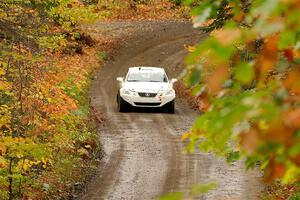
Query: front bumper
[[157, 101]]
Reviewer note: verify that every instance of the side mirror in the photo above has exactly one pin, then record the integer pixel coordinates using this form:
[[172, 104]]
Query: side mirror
[[173, 80], [120, 79]]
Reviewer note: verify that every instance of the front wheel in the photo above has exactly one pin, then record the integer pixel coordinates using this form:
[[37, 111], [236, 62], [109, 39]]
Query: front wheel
[[170, 107], [122, 105]]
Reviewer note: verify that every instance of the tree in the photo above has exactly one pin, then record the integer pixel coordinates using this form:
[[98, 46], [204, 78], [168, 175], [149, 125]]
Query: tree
[[248, 71], [37, 108]]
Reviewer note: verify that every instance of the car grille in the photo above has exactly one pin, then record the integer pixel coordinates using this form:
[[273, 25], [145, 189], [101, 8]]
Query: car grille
[[144, 94], [146, 104]]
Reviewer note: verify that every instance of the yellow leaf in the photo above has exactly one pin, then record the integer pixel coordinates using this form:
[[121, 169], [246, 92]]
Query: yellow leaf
[[2, 148], [25, 166], [185, 136], [2, 71], [190, 48], [3, 162], [44, 161]]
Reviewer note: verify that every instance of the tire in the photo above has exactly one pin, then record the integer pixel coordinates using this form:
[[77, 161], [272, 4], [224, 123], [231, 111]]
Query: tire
[[170, 107], [122, 105]]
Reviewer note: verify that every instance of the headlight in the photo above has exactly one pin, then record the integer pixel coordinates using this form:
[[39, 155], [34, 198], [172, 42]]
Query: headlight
[[128, 92], [169, 92]]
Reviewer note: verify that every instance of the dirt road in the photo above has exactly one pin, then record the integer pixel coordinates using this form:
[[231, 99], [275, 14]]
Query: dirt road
[[143, 153]]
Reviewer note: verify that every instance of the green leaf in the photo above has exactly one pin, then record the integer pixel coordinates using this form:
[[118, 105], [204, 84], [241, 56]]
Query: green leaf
[[287, 39], [294, 150], [233, 156], [172, 196], [102, 55], [244, 73], [194, 77], [294, 196], [197, 90], [198, 190]]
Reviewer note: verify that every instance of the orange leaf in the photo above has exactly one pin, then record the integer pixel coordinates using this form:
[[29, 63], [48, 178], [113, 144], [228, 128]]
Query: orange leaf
[[240, 17], [292, 81], [275, 170], [268, 58], [250, 140], [292, 119], [289, 54], [226, 36], [216, 79]]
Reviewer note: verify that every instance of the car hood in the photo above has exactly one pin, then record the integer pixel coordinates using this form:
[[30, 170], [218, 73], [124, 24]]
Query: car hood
[[149, 87]]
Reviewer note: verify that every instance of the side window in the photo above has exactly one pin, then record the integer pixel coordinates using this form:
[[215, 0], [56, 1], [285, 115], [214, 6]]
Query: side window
[[165, 78], [127, 75]]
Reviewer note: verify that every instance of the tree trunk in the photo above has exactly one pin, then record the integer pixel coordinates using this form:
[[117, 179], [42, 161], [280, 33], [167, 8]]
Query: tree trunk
[[10, 181]]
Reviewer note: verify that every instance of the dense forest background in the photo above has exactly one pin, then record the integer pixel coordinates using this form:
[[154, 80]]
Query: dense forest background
[[47, 137]]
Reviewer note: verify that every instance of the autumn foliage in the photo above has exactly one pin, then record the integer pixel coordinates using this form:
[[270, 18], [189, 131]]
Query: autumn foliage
[[141, 10], [46, 137], [248, 72]]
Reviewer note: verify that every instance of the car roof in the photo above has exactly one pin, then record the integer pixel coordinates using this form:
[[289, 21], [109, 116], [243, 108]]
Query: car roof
[[146, 68]]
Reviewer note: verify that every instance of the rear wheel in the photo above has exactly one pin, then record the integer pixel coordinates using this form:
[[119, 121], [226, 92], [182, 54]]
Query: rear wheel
[[122, 105], [170, 107]]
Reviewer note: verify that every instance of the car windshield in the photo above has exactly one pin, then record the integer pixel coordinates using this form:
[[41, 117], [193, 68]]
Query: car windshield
[[147, 76]]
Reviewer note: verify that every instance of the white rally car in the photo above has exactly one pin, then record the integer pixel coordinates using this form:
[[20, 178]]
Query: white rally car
[[146, 87]]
